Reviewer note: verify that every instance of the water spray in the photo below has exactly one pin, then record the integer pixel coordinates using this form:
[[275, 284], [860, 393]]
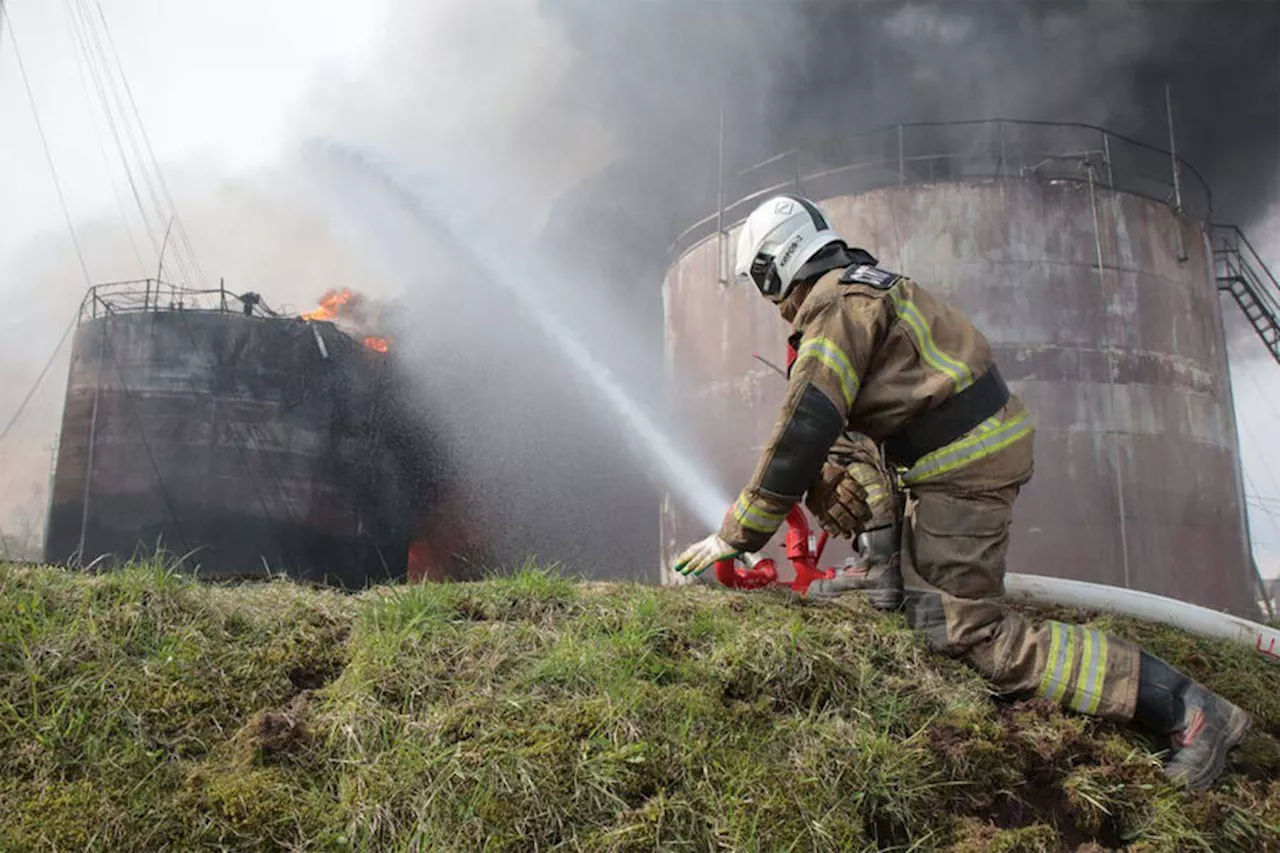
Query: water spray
[[691, 485]]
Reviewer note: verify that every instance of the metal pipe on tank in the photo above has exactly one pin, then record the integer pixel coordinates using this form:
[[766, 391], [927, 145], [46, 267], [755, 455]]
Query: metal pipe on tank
[[720, 199], [1106, 158], [1000, 164], [1177, 177], [1111, 387], [1173, 150], [902, 168]]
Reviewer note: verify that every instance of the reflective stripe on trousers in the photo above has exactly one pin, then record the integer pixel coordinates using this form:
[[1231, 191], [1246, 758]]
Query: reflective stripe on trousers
[[1079, 652]]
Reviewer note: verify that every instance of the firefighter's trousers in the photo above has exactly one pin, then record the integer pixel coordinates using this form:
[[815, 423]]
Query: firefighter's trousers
[[954, 540]]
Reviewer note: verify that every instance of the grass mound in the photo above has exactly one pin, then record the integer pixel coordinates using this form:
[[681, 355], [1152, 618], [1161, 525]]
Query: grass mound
[[142, 712]]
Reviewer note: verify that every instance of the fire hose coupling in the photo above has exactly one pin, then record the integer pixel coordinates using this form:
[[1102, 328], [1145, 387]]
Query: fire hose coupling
[[762, 572]]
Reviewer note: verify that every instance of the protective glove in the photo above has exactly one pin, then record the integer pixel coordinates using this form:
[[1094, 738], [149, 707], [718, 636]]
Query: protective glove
[[702, 555], [839, 502]]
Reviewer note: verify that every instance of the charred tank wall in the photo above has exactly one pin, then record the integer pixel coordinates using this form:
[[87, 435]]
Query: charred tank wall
[[1104, 316], [247, 442]]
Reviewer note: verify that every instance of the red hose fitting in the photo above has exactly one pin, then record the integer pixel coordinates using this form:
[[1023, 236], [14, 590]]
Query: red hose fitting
[[804, 560]]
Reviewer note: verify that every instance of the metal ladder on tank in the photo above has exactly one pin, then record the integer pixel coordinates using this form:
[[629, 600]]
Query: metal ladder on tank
[[1241, 272]]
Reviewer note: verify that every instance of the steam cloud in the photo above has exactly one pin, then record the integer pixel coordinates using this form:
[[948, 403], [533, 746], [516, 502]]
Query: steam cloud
[[588, 131]]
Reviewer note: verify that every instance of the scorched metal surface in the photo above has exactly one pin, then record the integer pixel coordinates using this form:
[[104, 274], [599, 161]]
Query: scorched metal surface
[[245, 442]]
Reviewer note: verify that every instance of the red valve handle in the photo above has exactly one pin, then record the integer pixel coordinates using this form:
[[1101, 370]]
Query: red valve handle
[[765, 573]]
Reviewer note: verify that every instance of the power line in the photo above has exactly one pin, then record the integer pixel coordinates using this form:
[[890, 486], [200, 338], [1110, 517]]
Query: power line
[[44, 142], [109, 92], [81, 64], [146, 179], [82, 41], [39, 379], [164, 185], [150, 151]]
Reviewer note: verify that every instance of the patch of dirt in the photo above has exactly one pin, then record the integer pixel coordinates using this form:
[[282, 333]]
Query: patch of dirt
[[269, 734], [313, 676], [1043, 801], [1044, 765], [950, 740]]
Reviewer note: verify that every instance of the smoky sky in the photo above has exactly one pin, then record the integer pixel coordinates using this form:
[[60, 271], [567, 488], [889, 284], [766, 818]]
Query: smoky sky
[[802, 74]]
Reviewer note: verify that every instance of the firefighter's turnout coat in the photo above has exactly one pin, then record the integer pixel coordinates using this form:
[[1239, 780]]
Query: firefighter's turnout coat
[[879, 355]]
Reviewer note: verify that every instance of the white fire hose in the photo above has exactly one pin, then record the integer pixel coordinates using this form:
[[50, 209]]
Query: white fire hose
[[1192, 618], [1037, 589]]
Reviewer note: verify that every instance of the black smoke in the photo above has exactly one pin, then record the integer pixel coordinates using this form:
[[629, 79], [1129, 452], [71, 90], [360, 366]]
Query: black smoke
[[662, 75], [807, 74]]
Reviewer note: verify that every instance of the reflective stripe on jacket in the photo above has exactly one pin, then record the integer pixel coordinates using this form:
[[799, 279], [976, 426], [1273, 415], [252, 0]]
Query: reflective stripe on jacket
[[870, 355]]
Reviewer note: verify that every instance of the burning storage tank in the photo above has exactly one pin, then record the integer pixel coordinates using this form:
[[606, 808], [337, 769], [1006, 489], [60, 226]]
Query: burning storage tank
[[244, 440], [1084, 257]]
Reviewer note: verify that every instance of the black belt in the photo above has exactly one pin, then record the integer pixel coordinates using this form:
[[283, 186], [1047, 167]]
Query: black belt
[[951, 419]]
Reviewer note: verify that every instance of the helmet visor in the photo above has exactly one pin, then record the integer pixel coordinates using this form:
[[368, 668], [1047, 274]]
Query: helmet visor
[[764, 273]]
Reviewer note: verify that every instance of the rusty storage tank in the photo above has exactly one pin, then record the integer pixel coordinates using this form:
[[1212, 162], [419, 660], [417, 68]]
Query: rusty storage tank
[[1084, 257], [244, 441]]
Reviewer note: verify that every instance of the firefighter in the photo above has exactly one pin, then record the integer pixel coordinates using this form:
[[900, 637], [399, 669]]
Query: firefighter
[[879, 355]]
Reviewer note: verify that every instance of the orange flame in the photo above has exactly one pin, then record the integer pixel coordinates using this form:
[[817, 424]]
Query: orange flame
[[329, 305], [377, 344]]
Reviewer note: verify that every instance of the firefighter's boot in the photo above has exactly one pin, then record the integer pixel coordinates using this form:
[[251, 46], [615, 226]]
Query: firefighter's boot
[[875, 571], [1202, 726]]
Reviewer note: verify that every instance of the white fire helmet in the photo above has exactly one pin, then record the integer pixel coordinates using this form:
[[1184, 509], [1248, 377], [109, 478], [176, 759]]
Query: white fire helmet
[[778, 238]]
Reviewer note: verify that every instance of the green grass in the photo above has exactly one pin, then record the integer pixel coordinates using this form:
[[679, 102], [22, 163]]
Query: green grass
[[142, 712]]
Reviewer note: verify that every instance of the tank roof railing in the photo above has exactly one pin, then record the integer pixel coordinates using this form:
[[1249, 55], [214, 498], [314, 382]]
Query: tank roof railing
[[153, 295], [976, 150]]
